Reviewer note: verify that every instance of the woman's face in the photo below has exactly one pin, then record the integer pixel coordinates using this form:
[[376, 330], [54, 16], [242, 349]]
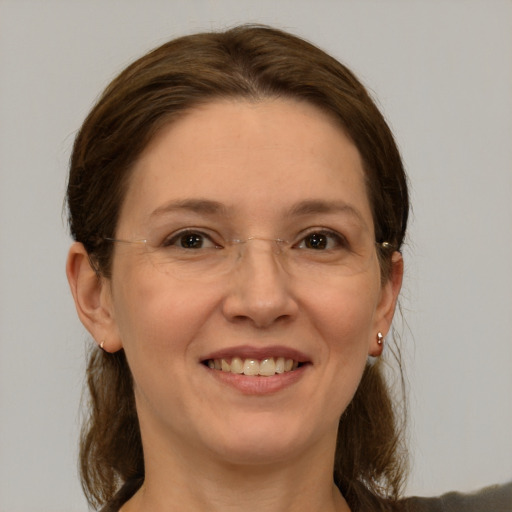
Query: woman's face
[[275, 169]]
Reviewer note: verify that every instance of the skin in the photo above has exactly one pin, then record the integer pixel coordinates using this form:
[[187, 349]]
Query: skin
[[224, 447]]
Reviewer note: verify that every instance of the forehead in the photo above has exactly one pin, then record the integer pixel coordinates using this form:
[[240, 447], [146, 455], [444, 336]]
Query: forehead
[[254, 158]]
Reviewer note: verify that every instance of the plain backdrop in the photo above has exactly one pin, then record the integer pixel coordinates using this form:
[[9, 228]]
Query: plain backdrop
[[442, 73]]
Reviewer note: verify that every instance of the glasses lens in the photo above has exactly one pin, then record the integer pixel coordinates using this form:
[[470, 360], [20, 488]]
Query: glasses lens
[[193, 258]]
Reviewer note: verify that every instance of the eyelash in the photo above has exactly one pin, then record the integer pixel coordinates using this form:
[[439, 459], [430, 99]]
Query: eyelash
[[339, 239]]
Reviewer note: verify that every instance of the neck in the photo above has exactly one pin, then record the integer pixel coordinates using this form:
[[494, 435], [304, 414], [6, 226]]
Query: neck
[[174, 482]]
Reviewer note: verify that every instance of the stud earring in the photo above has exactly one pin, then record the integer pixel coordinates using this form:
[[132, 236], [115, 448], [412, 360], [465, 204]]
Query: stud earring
[[380, 339], [102, 344]]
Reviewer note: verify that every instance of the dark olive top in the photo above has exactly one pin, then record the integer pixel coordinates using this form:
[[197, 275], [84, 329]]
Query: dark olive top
[[497, 498]]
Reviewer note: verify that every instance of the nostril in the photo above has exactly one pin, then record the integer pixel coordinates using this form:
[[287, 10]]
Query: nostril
[[258, 292]]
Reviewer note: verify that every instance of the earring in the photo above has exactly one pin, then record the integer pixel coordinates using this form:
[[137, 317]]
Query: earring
[[380, 339], [102, 345]]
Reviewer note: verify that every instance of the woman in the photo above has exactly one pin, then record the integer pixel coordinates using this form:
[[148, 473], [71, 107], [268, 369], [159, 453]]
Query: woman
[[238, 205]]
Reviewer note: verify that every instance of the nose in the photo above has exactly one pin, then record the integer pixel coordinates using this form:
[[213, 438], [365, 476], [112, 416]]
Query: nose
[[259, 289]]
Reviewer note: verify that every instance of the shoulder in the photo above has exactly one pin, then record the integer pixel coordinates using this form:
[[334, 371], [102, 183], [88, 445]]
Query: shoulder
[[497, 498]]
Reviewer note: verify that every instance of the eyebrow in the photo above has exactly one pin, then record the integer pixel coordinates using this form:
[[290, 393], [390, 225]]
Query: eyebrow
[[204, 206], [306, 207], [309, 207]]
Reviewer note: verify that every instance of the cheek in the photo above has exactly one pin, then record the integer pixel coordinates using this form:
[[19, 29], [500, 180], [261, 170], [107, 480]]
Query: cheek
[[156, 312], [342, 323], [348, 310], [344, 319], [159, 322]]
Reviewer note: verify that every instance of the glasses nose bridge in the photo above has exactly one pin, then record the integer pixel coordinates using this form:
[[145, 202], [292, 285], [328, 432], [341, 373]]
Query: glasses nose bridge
[[278, 245]]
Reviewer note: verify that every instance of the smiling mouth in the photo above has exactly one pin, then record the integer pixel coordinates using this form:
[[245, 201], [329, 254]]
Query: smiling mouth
[[254, 367]]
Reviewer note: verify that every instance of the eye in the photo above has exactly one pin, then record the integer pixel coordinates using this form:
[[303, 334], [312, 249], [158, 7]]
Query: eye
[[190, 239], [322, 240]]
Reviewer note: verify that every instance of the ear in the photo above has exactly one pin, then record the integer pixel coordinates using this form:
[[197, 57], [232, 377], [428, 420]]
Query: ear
[[387, 302], [93, 300]]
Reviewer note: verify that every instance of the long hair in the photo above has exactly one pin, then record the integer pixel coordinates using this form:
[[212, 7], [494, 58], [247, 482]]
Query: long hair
[[250, 63]]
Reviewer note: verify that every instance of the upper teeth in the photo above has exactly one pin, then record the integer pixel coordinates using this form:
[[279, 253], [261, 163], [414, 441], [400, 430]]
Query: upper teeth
[[266, 367]]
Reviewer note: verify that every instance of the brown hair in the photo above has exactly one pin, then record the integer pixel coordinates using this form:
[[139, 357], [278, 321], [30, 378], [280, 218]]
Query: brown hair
[[253, 63]]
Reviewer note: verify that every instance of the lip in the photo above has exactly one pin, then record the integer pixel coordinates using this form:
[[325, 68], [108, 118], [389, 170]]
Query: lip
[[250, 352], [258, 385]]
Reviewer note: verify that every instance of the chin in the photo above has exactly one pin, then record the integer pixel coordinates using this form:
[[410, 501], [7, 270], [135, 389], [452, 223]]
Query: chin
[[261, 440]]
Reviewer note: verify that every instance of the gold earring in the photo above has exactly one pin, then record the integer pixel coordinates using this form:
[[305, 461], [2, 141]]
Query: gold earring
[[102, 344], [380, 339]]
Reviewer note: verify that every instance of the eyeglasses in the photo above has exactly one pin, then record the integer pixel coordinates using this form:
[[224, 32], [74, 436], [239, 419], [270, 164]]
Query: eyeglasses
[[192, 254]]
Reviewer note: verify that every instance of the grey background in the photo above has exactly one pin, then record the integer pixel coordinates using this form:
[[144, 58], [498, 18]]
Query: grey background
[[442, 73]]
